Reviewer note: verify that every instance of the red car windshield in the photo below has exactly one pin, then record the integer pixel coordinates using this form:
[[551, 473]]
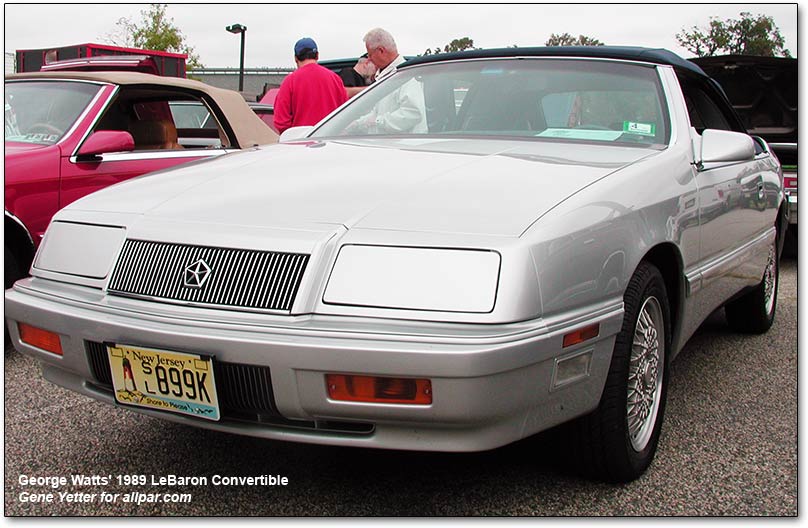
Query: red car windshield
[[41, 112]]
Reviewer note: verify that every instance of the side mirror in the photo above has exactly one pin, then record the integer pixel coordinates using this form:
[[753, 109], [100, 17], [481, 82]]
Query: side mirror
[[294, 133], [724, 146], [105, 141]]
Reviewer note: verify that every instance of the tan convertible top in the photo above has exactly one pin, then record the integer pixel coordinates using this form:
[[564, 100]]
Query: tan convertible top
[[247, 127]]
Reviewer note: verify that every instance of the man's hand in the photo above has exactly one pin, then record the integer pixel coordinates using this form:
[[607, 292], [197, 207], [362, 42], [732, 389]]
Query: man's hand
[[366, 123]]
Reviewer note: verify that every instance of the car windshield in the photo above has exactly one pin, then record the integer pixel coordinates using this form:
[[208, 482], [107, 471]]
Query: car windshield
[[42, 111], [542, 99]]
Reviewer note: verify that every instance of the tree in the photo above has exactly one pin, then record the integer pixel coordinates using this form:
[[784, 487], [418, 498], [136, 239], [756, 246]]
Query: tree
[[748, 35], [154, 31], [460, 44], [566, 39]]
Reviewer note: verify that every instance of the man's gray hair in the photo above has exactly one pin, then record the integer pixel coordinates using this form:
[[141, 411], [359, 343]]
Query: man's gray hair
[[378, 37]]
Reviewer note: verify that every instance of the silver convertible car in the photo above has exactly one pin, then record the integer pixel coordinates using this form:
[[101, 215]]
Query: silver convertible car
[[482, 246]]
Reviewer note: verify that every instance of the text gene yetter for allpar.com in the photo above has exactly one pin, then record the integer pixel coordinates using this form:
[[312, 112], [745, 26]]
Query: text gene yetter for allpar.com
[[53, 485]]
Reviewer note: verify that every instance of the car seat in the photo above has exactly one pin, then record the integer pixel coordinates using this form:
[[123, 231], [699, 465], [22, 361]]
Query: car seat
[[155, 135]]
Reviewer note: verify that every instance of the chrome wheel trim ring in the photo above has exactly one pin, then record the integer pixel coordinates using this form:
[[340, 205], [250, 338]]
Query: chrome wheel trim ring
[[645, 373], [770, 280]]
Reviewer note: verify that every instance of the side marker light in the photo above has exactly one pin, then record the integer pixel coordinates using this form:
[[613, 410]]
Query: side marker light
[[582, 334], [40, 338]]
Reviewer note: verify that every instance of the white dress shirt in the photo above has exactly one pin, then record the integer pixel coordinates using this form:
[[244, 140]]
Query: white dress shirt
[[403, 111]]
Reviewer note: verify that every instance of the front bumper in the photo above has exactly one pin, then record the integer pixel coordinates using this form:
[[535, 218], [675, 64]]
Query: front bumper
[[491, 384]]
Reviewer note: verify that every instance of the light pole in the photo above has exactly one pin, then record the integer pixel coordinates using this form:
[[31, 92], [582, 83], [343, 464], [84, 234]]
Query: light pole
[[236, 29]]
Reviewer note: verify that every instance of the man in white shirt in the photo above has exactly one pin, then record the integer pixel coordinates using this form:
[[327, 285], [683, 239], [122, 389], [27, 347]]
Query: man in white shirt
[[382, 51], [403, 111]]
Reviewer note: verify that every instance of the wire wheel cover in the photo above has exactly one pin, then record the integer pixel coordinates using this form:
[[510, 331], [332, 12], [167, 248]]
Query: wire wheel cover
[[646, 369], [770, 280]]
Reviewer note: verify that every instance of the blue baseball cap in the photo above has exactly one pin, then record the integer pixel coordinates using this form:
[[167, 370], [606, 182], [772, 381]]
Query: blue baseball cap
[[304, 44]]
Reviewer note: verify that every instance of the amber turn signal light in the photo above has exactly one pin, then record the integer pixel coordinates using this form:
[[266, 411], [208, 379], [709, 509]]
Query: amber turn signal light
[[40, 338], [582, 334], [374, 389]]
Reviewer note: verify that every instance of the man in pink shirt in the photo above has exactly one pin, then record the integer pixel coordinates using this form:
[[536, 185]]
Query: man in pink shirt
[[309, 93]]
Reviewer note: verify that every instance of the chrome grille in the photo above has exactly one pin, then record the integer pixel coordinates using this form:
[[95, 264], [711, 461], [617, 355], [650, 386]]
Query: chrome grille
[[238, 277]]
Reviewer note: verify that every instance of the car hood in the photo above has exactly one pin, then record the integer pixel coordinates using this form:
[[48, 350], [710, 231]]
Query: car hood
[[763, 90], [482, 187], [14, 149]]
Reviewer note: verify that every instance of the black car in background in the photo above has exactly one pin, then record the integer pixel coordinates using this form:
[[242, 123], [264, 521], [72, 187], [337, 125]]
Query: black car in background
[[763, 90]]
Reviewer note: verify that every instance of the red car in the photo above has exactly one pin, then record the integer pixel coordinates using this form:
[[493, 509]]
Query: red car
[[68, 134]]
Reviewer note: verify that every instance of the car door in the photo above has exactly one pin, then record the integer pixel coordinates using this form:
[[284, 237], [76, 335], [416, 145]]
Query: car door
[[144, 113], [733, 203]]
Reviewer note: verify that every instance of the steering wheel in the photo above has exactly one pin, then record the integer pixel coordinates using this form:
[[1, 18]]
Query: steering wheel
[[44, 128]]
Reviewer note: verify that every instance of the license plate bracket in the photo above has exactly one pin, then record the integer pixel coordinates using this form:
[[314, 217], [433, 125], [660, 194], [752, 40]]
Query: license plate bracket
[[166, 380]]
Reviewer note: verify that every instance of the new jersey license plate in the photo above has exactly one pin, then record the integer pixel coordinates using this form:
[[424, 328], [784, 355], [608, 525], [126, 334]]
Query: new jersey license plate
[[161, 379]]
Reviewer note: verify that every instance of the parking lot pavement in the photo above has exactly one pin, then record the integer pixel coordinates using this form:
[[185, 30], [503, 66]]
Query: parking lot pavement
[[729, 447]]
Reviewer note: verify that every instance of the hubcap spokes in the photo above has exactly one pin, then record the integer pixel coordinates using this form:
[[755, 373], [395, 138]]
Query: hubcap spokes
[[645, 374], [770, 280]]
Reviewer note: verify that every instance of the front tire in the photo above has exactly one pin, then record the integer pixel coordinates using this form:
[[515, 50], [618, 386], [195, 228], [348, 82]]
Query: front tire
[[617, 442], [754, 312], [790, 244], [11, 274], [11, 268]]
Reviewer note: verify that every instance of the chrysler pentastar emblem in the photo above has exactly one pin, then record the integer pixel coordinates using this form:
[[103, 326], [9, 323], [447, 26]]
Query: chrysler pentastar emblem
[[195, 275]]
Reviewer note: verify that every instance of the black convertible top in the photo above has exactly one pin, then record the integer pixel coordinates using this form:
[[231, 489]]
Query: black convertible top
[[652, 55], [684, 68]]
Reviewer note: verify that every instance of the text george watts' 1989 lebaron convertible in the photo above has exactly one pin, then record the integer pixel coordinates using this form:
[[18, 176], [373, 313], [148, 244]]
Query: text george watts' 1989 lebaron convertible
[[479, 247]]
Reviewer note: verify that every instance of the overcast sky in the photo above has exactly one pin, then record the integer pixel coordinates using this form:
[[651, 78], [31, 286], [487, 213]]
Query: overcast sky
[[338, 29]]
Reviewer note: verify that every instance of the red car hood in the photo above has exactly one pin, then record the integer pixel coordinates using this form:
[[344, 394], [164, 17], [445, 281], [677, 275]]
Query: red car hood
[[16, 148]]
